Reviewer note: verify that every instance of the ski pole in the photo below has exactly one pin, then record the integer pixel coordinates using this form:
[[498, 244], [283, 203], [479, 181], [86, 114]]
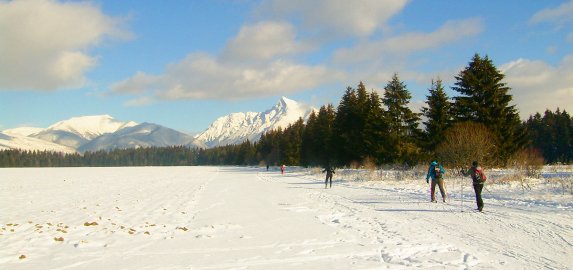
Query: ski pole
[[462, 191]]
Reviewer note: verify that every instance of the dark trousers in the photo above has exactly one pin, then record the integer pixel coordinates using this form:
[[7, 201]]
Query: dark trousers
[[478, 188], [328, 176], [440, 183]]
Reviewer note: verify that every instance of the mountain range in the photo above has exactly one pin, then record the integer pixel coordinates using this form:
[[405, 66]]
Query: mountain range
[[103, 132]]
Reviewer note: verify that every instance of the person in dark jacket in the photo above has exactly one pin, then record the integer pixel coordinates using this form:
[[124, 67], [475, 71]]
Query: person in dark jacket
[[329, 172], [436, 172], [478, 178]]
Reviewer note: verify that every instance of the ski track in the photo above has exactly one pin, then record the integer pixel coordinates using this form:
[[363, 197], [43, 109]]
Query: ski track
[[530, 227], [246, 218]]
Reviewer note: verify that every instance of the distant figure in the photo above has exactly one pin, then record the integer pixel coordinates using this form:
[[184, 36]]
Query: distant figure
[[283, 169], [329, 172], [479, 179], [267, 167], [436, 172]]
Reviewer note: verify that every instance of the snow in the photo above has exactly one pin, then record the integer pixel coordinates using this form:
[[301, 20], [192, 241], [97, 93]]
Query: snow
[[23, 131], [248, 218], [99, 132], [237, 127], [90, 127], [15, 141]]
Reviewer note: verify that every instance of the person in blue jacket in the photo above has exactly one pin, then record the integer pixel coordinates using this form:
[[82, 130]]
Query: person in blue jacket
[[436, 172]]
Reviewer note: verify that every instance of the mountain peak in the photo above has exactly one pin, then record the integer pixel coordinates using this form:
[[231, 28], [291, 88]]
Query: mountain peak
[[22, 131], [286, 102], [91, 126], [238, 127]]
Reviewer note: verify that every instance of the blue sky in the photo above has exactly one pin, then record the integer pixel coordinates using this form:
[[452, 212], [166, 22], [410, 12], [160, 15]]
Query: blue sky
[[182, 64]]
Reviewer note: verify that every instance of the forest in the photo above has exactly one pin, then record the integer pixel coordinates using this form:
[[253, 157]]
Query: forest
[[367, 129]]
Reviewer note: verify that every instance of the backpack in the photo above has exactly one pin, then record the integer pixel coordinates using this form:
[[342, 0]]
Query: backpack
[[480, 176], [437, 172]]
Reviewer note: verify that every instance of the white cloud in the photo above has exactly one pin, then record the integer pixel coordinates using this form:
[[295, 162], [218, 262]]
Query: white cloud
[[44, 42], [405, 44], [139, 83], [258, 61], [337, 17], [201, 76], [140, 101], [263, 41], [376, 61], [560, 15], [537, 86]]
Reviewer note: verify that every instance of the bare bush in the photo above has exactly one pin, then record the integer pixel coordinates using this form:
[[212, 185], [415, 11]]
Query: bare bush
[[566, 184], [529, 162], [465, 142], [369, 163]]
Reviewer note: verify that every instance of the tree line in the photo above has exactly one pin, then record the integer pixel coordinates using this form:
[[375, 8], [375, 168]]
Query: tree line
[[369, 129]]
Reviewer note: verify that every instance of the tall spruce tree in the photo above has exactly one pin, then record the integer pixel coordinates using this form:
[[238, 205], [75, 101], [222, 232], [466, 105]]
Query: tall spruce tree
[[438, 117], [348, 129], [485, 99], [292, 140], [376, 130], [553, 135], [362, 111], [309, 153], [403, 132], [325, 135]]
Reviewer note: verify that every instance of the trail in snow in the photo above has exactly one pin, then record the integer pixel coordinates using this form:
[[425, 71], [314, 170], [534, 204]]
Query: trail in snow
[[247, 218]]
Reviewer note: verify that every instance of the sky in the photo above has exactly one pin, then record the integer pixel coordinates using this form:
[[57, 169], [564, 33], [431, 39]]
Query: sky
[[184, 63]]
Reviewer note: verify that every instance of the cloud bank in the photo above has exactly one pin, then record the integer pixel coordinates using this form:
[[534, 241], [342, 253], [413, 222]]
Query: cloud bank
[[537, 86], [561, 17], [257, 62], [44, 43], [336, 17]]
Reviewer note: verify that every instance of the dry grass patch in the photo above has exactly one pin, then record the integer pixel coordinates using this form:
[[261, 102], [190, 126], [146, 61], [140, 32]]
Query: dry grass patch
[[90, 224]]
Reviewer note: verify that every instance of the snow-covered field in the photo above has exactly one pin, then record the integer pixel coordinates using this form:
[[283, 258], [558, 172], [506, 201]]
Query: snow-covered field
[[247, 218]]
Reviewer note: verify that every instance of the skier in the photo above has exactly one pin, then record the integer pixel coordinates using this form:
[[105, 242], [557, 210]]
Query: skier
[[436, 172], [329, 172], [283, 169], [478, 178]]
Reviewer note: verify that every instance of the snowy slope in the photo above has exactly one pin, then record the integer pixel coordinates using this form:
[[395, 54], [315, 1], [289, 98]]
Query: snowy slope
[[14, 141], [142, 135], [104, 132], [90, 127], [23, 131], [238, 127], [247, 218], [77, 131]]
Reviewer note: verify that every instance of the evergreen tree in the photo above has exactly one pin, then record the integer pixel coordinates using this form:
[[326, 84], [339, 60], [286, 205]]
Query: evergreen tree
[[564, 135], [438, 117], [348, 129], [376, 130], [403, 132], [325, 136], [292, 141], [485, 99], [309, 154], [363, 108], [553, 135]]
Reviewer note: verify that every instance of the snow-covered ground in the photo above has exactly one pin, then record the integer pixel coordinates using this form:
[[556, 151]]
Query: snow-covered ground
[[247, 218]]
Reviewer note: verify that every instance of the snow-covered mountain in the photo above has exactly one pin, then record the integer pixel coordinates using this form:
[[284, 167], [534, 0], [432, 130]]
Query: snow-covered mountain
[[15, 141], [23, 131], [103, 132], [142, 135], [238, 127], [78, 131]]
